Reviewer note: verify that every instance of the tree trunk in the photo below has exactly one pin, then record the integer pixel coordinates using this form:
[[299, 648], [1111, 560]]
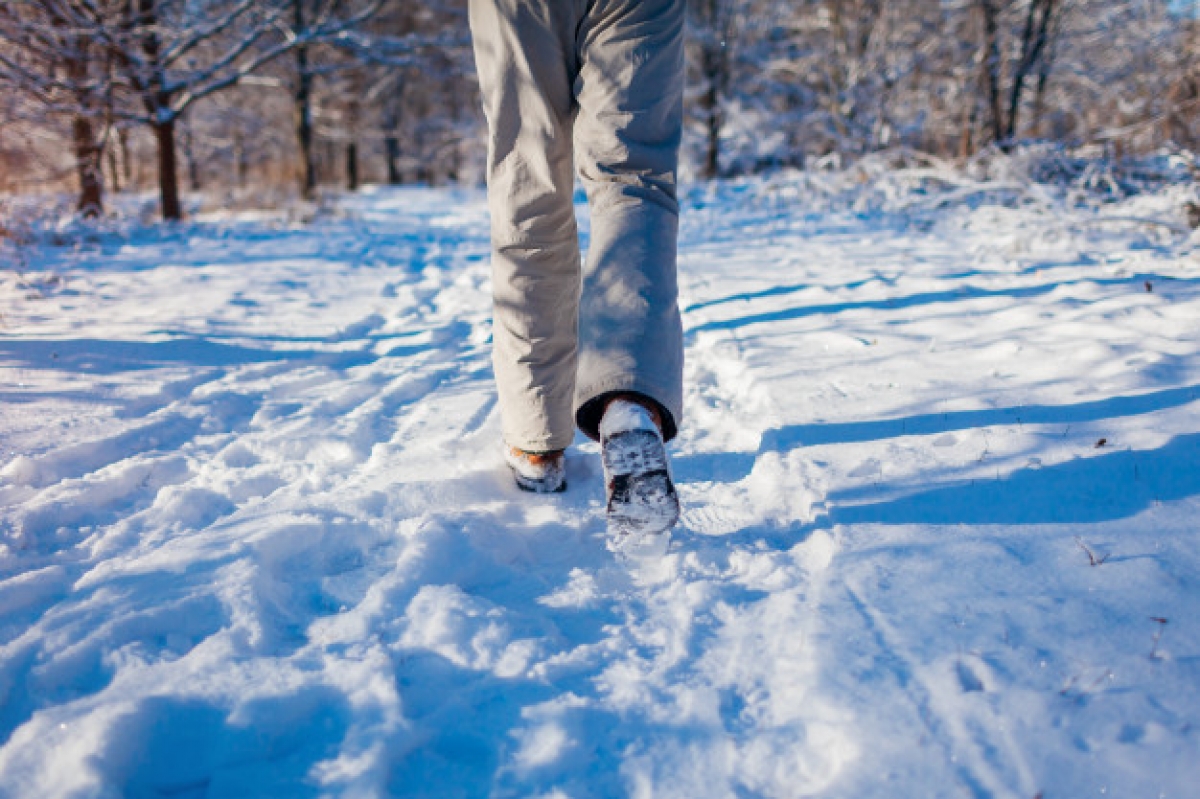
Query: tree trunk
[[188, 145], [89, 165], [1046, 63], [392, 148], [966, 142], [991, 67], [240, 164], [304, 125], [1039, 96], [88, 152], [353, 111], [454, 169], [711, 103], [713, 24], [168, 177], [129, 177], [114, 167], [712, 155], [1033, 45], [302, 101], [352, 165], [157, 99]]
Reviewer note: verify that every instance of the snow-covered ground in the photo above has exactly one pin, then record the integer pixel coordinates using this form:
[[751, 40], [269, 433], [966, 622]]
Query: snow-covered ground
[[256, 538]]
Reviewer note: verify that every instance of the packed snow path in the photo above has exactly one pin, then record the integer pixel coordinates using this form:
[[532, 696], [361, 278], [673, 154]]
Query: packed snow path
[[256, 537]]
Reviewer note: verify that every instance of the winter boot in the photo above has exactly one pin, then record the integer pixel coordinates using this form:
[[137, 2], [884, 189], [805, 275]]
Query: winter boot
[[641, 497], [540, 472]]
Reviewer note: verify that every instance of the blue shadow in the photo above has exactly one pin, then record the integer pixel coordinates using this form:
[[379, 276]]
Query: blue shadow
[[785, 438], [98, 356], [734, 466], [1093, 489], [925, 298]]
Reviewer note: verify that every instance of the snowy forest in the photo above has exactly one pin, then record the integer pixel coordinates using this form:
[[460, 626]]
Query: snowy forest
[[261, 96]]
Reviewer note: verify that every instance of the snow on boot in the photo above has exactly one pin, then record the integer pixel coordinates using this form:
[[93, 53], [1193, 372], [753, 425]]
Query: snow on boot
[[641, 496], [539, 472]]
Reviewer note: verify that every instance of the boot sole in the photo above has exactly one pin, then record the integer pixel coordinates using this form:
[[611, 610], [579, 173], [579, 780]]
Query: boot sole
[[641, 497], [539, 486]]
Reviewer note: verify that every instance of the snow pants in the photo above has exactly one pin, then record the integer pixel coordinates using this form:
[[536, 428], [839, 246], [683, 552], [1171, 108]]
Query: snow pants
[[595, 85]]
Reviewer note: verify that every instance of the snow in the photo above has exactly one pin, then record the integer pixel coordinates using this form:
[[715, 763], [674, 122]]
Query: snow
[[257, 537]]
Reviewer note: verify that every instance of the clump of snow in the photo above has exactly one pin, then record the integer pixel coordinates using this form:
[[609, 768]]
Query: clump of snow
[[22, 470]]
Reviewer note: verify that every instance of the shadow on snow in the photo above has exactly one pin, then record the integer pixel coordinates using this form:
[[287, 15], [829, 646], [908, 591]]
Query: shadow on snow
[[911, 301], [1100, 487], [1093, 489]]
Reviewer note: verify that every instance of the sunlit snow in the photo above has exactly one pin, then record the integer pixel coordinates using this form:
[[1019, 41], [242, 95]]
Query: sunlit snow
[[257, 539]]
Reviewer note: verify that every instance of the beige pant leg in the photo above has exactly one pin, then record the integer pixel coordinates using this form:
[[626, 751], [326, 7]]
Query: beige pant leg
[[526, 58], [627, 136], [618, 64]]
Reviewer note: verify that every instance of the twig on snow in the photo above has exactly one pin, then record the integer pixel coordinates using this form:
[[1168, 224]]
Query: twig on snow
[[1162, 623], [1093, 559]]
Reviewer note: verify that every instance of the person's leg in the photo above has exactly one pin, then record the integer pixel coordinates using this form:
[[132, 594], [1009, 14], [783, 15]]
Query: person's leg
[[627, 135], [526, 58]]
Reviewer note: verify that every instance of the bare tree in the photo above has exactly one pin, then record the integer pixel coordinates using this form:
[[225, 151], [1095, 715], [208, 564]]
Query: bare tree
[[713, 27], [49, 57], [163, 56], [1032, 48], [354, 65], [399, 90]]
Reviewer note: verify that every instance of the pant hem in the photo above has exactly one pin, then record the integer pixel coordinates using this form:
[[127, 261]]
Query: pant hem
[[590, 403], [539, 445]]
